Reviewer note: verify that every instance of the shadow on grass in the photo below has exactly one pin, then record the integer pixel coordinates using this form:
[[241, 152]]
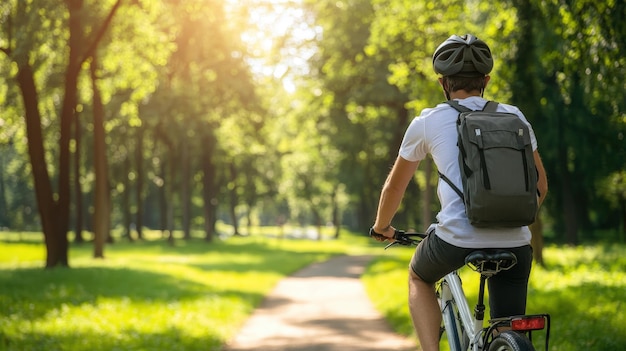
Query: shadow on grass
[[31, 293], [127, 340]]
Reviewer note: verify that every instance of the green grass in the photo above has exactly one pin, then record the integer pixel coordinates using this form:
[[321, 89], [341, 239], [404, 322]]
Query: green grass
[[582, 288], [195, 296], [144, 295]]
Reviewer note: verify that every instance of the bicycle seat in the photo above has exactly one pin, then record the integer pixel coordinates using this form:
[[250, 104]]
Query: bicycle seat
[[490, 262]]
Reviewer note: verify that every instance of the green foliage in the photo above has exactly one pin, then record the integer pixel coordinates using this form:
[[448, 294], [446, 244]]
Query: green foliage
[[574, 98], [299, 107], [409, 32], [559, 61], [362, 113], [580, 287]]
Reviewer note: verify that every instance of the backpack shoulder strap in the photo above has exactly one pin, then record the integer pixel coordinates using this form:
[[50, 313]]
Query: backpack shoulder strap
[[454, 187], [457, 106], [490, 106]]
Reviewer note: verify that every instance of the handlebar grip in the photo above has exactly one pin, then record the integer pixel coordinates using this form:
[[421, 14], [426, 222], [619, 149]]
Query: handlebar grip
[[400, 237], [375, 235]]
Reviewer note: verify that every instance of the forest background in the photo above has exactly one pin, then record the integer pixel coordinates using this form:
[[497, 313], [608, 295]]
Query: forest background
[[174, 115]]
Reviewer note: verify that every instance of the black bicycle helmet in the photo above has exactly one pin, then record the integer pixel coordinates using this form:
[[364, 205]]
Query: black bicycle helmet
[[465, 56]]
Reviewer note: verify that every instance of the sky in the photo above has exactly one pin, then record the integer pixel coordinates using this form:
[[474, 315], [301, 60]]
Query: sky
[[277, 31]]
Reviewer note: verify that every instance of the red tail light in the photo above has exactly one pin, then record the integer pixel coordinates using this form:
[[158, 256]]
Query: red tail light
[[528, 323]]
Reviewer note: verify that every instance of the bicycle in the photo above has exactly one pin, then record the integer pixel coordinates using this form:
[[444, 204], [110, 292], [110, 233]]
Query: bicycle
[[465, 330]]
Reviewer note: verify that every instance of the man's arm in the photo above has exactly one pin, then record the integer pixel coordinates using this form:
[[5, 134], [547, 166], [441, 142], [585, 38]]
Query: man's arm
[[392, 193]]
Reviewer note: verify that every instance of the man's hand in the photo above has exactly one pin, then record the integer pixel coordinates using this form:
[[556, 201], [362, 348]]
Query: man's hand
[[383, 235]]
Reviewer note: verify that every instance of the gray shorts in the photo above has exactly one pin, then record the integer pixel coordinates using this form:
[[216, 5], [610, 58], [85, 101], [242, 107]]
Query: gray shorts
[[434, 258]]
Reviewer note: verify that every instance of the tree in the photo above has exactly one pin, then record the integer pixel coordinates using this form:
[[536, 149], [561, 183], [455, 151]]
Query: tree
[[25, 32], [102, 219]]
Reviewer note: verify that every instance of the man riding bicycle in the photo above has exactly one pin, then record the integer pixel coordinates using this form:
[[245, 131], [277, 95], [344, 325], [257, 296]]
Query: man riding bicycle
[[464, 63]]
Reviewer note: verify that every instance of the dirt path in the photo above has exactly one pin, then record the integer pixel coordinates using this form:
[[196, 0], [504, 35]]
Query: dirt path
[[323, 307]]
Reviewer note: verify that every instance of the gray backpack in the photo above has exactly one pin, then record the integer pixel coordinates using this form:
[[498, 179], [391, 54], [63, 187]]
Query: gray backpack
[[497, 167]]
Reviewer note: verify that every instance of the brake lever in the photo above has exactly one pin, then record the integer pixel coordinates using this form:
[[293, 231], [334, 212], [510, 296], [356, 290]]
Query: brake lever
[[400, 238], [392, 244]]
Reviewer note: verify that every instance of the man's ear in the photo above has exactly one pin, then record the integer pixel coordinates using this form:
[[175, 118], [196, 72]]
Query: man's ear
[[444, 85], [487, 79]]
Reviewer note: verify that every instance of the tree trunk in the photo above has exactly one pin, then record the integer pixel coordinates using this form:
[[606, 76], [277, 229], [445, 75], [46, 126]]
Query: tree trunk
[[61, 210], [140, 182], [4, 206], [249, 218], [567, 196], [317, 220], [168, 174], [55, 254], [102, 195], [233, 198], [127, 215], [623, 208], [78, 191], [335, 213], [163, 198], [186, 190], [169, 193], [402, 119], [209, 191]]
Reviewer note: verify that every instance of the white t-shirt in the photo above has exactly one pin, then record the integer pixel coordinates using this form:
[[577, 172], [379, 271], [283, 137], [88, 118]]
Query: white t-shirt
[[434, 132]]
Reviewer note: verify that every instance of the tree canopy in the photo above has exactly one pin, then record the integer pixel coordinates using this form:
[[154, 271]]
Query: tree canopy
[[173, 115]]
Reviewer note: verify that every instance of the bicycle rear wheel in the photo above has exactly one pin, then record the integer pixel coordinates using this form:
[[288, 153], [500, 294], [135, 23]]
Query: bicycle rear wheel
[[511, 341]]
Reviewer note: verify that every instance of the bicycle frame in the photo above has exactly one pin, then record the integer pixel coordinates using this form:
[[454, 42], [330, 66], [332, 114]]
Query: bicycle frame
[[452, 294]]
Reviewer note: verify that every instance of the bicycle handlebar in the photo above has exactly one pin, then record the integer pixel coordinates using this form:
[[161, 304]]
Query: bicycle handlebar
[[400, 237]]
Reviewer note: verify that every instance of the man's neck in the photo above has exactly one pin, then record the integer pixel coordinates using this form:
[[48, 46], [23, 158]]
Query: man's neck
[[462, 94]]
